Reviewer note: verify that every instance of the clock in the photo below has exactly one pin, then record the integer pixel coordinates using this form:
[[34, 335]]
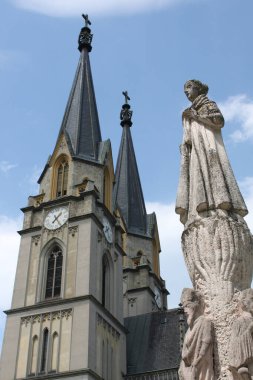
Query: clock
[[56, 218], [158, 298], [107, 229]]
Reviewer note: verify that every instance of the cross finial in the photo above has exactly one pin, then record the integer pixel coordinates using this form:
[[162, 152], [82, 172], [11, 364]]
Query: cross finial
[[125, 93], [86, 19]]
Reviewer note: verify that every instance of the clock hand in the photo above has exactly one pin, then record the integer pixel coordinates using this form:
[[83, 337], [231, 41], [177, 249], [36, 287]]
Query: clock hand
[[56, 217]]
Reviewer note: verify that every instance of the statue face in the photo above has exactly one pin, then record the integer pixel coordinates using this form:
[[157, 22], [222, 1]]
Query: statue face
[[191, 91], [190, 309]]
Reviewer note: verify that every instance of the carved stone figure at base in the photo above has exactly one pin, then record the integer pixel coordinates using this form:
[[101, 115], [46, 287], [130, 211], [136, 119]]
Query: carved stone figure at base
[[241, 344], [197, 353]]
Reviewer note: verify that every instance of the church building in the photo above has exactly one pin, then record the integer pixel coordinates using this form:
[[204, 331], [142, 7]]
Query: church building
[[88, 301]]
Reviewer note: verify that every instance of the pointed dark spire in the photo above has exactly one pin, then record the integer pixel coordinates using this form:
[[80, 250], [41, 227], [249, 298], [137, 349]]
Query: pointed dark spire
[[128, 196], [80, 123]]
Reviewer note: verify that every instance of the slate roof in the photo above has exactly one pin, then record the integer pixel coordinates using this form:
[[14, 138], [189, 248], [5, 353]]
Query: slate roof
[[153, 341], [128, 195], [80, 122]]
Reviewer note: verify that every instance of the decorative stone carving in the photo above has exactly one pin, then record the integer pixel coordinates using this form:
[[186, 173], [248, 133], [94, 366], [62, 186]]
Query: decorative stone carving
[[73, 230], [36, 200], [197, 353], [132, 300], [106, 325], [36, 239], [217, 243], [37, 318], [241, 342], [218, 255]]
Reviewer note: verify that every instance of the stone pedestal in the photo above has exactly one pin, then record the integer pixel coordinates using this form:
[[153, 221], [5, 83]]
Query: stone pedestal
[[218, 252]]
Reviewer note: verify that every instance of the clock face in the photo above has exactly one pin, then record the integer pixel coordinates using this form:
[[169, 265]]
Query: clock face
[[56, 218], [107, 230], [158, 298]]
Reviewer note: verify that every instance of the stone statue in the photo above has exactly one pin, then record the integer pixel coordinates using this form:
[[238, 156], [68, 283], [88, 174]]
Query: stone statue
[[207, 182], [241, 343], [197, 353]]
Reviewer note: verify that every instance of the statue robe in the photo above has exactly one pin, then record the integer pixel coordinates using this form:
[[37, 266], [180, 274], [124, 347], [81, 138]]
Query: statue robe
[[200, 334], [241, 343], [206, 179]]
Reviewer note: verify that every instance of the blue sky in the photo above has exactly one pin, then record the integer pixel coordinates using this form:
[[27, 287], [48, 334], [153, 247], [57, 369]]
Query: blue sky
[[149, 48]]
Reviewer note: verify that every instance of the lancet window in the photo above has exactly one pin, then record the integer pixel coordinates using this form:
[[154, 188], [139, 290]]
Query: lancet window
[[44, 351], [54, 273], [105, 282], [62, 178], [107, 188]]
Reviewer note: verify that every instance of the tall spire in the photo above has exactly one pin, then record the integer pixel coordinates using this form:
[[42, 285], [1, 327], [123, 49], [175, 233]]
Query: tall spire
[[128, 196], [80, 122]]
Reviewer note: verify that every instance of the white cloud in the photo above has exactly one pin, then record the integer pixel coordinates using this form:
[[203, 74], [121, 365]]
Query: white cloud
[[246, 186], [5, 166], [9, 245], [65, 8], [239, 110], [173, 268]]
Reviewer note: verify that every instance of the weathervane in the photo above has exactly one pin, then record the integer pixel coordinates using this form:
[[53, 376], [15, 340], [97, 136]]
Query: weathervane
[[86, 19], [125, 93]]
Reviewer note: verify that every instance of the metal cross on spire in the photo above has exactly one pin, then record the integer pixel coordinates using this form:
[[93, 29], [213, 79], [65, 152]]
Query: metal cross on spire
[[125, 93], [126, 113], [86, 19], [85, 36]]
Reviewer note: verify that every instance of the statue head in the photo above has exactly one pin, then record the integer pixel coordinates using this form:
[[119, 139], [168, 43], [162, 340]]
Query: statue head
[[193, 88], [192, 304], [246, 300]]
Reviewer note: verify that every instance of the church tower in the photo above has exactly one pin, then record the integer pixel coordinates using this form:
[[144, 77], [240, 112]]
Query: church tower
[[66, 317], [143, 288]]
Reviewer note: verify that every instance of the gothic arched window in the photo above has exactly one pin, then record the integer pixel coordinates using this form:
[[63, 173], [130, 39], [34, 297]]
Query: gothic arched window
[[54, 272], [44, 351], [62, 178], [105, 282]]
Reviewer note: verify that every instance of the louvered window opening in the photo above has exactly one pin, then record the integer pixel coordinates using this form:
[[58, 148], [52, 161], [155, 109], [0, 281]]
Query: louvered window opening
[[62, 179], [54, 273], [105, 283]]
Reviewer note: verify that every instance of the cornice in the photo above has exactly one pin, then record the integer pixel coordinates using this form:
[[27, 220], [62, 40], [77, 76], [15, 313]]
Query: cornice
[[65, 302]]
